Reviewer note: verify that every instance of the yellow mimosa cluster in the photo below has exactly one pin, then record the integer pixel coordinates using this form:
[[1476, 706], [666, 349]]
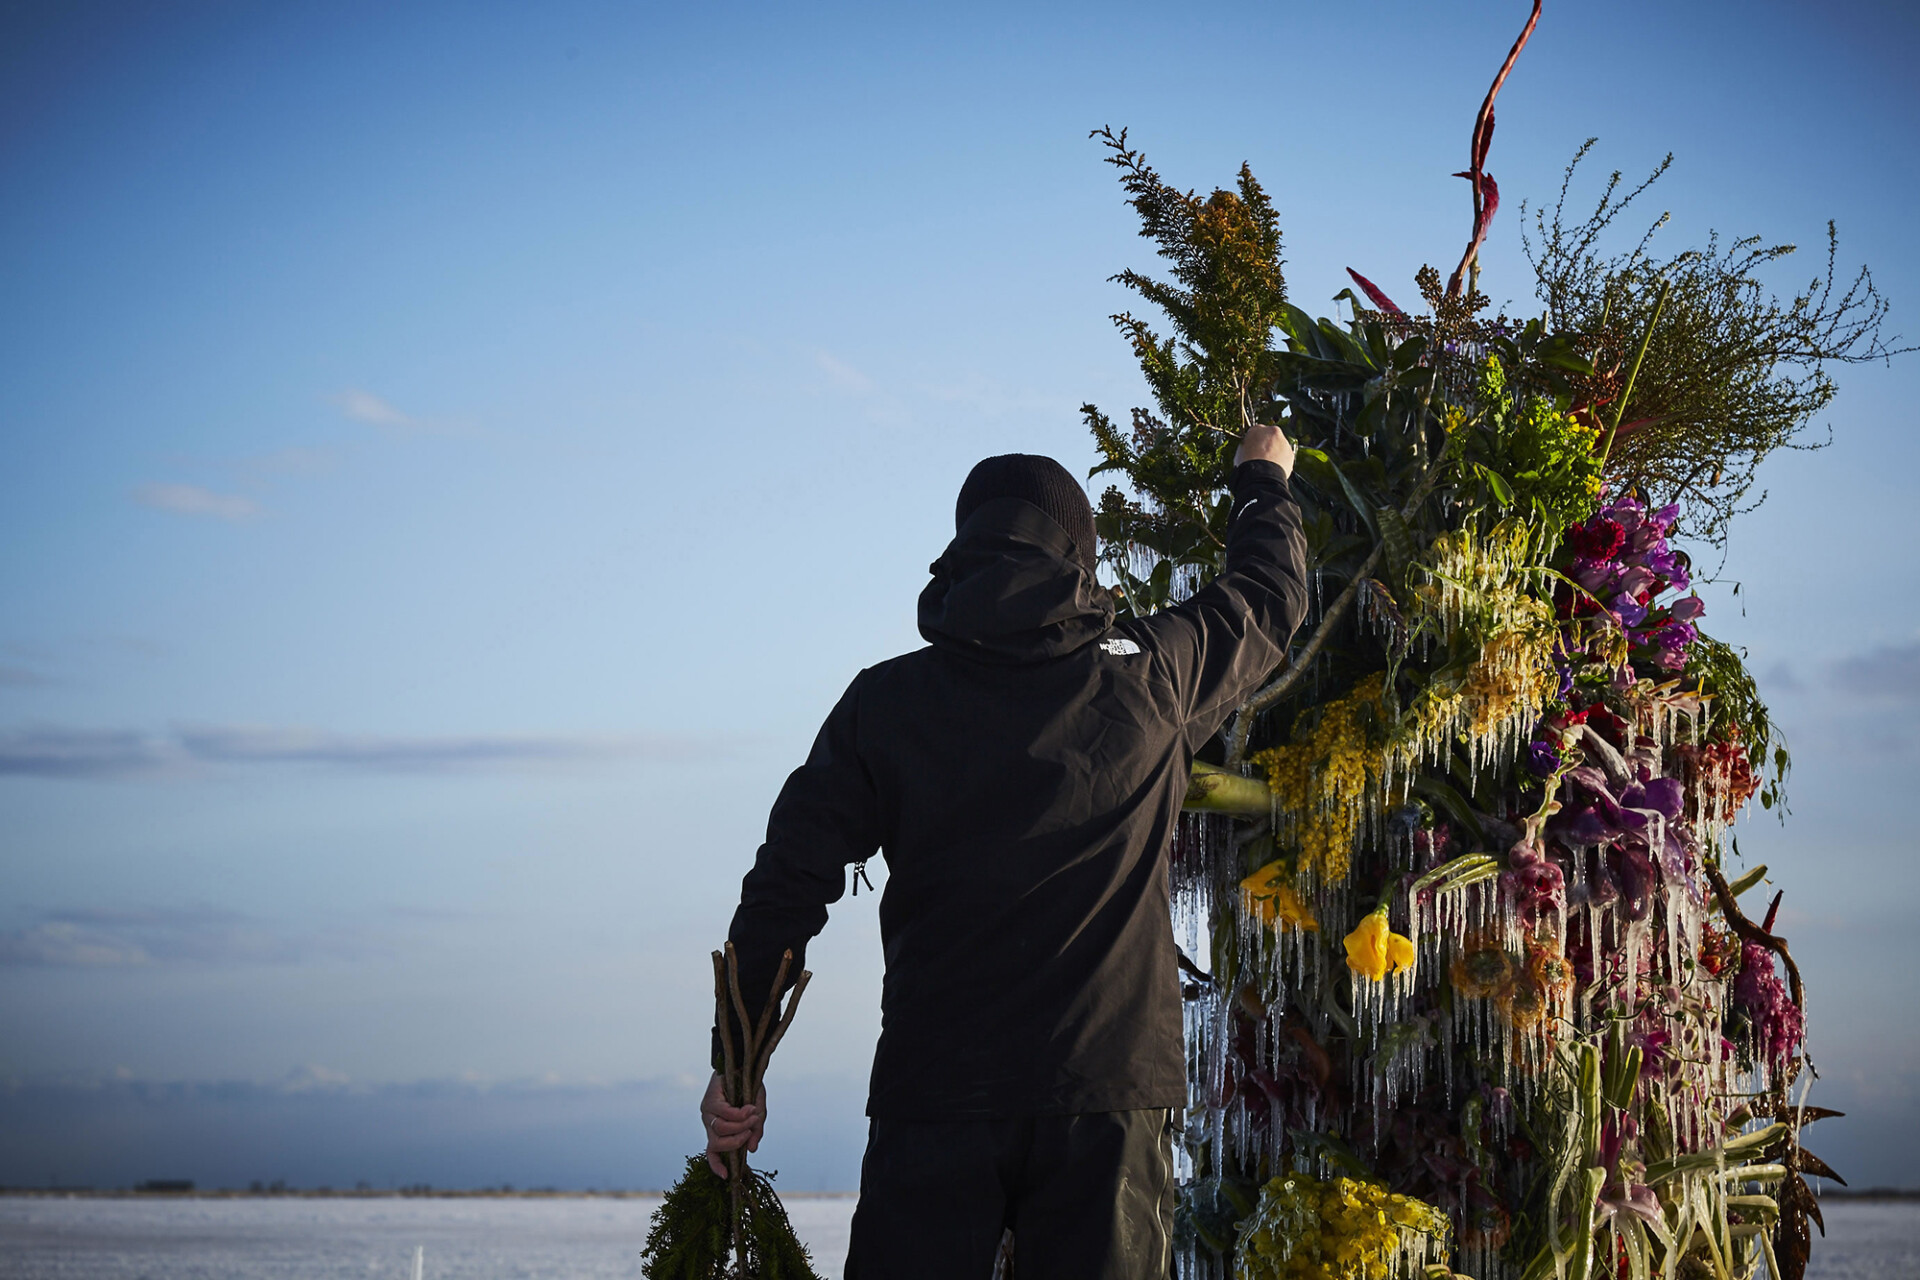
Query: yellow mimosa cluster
[[1342, 1229]]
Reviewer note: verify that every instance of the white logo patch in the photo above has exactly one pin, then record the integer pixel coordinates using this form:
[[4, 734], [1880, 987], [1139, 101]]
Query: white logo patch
[[1120, 648]]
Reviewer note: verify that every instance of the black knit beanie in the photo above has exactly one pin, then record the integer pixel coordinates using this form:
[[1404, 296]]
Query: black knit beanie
[[1041, 481]]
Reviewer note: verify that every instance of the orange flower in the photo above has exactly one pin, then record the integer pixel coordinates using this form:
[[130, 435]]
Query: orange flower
[[1524, 1003], [1374, 950], [1484, 969], [1550, 970]]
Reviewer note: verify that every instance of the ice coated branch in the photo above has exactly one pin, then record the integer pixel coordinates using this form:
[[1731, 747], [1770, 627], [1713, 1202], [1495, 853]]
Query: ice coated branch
[[1216, 790]]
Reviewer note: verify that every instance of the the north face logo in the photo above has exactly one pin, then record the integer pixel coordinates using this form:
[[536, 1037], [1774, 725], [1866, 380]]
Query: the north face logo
[[1119, 648]]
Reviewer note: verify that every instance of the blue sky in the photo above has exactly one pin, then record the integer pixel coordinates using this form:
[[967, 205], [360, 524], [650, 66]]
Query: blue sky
[[456, 454]]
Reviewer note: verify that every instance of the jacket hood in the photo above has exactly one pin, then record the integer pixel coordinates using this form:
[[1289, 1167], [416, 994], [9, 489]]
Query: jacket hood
[[1009, 588]]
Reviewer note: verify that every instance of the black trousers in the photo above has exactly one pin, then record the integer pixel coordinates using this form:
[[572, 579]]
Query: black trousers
[[1089, 1197]]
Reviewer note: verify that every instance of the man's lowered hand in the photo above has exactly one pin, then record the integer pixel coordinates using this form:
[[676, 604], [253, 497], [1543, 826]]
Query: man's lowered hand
[[730, 1128]]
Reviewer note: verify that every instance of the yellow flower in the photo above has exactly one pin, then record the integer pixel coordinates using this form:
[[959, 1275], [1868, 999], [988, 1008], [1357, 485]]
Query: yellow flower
[[1325, 783], [1374, 950], [1272, 895], [1305, 1229]]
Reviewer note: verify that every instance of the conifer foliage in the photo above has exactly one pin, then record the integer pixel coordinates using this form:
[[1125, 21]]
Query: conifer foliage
[[691, 1237], [732, 1228]]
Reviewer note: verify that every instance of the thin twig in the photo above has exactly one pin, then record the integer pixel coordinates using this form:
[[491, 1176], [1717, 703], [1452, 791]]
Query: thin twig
[[725, 987], [786, 1020], [720, 1019], [773, 997], [740, 1007], [1748, 931]]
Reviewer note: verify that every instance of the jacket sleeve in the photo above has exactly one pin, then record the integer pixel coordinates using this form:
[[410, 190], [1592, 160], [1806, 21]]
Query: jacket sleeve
[[1219, 644], [826, 816]]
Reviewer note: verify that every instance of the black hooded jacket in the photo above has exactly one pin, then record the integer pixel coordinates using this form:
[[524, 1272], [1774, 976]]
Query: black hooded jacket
[[1022, 776]]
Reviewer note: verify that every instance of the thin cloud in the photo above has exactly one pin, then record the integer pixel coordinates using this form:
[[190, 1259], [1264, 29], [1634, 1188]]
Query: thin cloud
[[192, 500], [376, 753], [291, 461], [43, 752], [1890, 673], [206, 936], [364, 406], [49, 752], [842, 374]]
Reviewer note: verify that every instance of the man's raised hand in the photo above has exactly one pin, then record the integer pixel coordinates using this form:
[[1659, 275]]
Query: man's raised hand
[[730, 1128], [1267, 443]]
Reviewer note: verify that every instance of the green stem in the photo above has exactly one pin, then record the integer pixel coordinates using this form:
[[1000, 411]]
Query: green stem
[[1212, 789], [1633, 374]]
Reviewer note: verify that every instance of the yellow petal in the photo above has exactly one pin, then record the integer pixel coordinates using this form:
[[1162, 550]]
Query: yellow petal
[[1265, 880], [1400, 952], [1367, 947]]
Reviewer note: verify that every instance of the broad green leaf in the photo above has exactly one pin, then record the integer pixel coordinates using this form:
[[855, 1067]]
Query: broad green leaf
[[1398, 539], [1361, 507], [1502, 491]]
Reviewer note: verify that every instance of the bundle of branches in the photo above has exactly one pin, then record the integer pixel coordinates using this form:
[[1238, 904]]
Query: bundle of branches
[[732, 1228], [1463, 963]]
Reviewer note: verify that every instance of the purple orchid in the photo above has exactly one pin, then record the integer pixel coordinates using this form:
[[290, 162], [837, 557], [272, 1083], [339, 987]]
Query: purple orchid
[[1630, 611]]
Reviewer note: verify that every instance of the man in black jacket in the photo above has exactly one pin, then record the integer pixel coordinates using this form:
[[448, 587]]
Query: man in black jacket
[[1022, 776]]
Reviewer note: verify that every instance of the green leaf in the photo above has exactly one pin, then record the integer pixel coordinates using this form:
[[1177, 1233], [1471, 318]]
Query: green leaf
[[1398, 540], [1502, 491], [1564, 357], [1457, 873], [1344, 344], [1407, 355], [1453, 802], [1361, 507], [1745, 883], [1317, 469]]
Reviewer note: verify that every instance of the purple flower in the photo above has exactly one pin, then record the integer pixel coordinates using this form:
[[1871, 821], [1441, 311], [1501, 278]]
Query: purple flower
[[1663, 796], [1687, 608], [1675, 635], [1542, 759], [1630, 611], [1633, 872], [1778, 1024], [1595, 575], [1585, 826], [1652, 1042]]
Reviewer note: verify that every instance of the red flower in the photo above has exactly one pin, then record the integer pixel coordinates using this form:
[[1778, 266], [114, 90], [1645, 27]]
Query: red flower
[[1600, 538]]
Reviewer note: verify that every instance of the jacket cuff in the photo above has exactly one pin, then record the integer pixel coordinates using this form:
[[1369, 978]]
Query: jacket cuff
[[1259, 471]]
